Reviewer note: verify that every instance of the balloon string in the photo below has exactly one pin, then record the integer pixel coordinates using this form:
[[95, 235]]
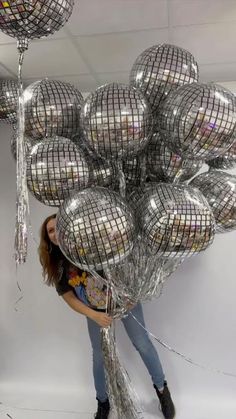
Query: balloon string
[[20, 298], [187, 359]]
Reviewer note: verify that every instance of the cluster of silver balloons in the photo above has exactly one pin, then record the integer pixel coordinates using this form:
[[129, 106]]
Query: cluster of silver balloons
[[120, 167], [156, 132], [148, 138]]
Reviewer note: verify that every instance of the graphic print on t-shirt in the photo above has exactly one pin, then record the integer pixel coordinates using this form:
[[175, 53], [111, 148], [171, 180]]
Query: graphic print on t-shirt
[[87, 287]]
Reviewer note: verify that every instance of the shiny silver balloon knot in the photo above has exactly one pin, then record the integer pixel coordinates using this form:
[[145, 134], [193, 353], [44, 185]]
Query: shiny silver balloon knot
[[22, 44]]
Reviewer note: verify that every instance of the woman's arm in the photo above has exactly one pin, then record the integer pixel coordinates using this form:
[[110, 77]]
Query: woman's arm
[[102, 319]]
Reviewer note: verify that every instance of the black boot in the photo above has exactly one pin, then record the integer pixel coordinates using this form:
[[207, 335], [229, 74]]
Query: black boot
[[167, 405], [103, 410]]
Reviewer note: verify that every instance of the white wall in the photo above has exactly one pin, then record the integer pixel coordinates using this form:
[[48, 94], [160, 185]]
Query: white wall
[[45, 347]]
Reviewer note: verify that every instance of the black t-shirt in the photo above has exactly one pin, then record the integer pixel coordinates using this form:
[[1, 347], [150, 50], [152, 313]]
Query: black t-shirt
[[68, 277], [63, 285]]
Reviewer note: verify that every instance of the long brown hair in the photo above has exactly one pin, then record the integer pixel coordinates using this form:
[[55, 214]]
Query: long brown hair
[[49, 255]]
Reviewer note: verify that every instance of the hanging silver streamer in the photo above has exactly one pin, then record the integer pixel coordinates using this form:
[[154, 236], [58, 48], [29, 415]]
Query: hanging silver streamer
[[18, 282], [143, 165], [22, 204], [121, 177], [141, 277], [187, 359], [123, 399], [20, 298]]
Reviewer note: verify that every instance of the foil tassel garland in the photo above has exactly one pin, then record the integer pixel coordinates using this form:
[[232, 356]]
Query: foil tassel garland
[[122, 397], [141, 277], [22, 203], [121, 177]]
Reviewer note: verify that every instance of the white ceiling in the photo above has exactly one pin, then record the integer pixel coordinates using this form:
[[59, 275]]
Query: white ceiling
[[103, 38]]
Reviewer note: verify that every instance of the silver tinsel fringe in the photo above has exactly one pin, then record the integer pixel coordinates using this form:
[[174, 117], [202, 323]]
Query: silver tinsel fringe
[[22, 203], [122, 397]]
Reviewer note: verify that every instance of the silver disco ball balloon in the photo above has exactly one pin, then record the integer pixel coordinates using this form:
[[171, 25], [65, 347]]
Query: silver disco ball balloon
[[27, 142], [175, 221], [165, 164], [226, 161], [219, 188], [198, 120], [52, 108], [118, 121], [55, 167], [95, 228], [160, 69], [8, 100], [34, 18]]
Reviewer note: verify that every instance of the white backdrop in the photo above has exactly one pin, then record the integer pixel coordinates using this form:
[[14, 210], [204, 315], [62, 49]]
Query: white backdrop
[[45, 348]]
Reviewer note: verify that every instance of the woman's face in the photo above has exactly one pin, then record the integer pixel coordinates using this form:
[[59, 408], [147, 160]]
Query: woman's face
[[51, 230]]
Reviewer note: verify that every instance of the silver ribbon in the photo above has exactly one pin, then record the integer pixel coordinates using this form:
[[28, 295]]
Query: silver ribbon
[[122, 397], [187, 359]]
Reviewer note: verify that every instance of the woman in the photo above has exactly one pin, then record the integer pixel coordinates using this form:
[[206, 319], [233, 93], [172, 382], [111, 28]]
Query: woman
[[86, 296]]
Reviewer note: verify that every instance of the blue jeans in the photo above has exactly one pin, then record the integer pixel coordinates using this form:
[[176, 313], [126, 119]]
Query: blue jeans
[[139, 338]]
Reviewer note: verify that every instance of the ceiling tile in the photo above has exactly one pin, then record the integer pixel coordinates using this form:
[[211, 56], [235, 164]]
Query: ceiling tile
[[103, 16], [45, 58], [117, 52], [188, 12], [213, 43]]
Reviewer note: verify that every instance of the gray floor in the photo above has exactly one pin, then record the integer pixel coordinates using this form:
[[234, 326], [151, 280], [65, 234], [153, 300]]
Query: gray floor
[[67, 405]]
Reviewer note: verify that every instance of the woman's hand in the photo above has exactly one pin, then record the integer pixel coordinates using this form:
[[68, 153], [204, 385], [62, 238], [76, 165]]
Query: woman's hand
[[102, 319]]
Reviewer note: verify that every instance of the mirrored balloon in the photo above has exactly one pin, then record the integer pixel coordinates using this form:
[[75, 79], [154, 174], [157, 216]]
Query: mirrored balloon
[[52, 107], [198, 120], [118, 121], [165, 164], [226, 161], [219, 188], [95, 228], [55, 167], [161, 69], [175, 221], [8, 100]]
